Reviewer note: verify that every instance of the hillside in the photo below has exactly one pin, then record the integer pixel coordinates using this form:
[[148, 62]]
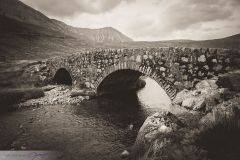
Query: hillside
[[17, 10], [20, 40], [28, 34], [227, 42], [232, 42]]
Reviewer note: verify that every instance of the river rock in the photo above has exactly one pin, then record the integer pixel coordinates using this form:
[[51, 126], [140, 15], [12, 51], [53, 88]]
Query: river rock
[[76, 93], [189, 102], [23, 148], [131, 127], [48, 87], [155, 129], [200, 104], [206, 85], [140, 84], [125, 154]]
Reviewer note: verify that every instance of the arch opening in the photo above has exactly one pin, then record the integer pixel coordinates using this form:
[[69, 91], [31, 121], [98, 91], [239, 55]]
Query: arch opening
[[62, 76], [122, 80]]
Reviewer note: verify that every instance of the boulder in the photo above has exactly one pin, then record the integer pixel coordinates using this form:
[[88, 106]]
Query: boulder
[[200, 104], [156, 129], [206, 85], [189, 102], [181, 96], [204, 97]]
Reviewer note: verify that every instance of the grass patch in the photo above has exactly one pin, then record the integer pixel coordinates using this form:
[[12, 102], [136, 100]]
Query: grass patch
[[221, 139]]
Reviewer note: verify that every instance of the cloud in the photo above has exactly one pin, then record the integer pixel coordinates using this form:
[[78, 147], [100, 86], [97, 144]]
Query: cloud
[[191, 19], [149, 19], [67, 8], [189, 12]]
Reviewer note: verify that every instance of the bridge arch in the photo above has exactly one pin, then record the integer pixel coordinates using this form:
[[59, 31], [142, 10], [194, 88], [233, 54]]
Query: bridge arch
[[62, 76], [136, 67], [120, 81]]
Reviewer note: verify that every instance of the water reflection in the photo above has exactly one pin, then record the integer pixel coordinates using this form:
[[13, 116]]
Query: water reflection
[[106, 120], [153, 96], [123, 109]]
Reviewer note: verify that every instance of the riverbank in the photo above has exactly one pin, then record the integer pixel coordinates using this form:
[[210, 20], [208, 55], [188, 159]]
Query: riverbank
[[17, 98], [207, 126], [56, 94], [93, 128]]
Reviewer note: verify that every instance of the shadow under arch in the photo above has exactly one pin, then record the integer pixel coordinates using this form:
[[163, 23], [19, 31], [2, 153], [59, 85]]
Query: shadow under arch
[[62, 76], [137, 68], [121, 80], [125, 91]]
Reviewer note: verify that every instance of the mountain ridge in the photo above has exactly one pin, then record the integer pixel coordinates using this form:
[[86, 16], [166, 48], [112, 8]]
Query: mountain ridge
[[17, 10]]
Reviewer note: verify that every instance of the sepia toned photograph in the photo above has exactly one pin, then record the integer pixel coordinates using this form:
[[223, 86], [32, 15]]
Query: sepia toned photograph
[[119, 79]]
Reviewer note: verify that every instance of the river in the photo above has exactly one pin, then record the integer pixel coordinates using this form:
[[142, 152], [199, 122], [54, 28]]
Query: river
[[97, 129], [114, 120]]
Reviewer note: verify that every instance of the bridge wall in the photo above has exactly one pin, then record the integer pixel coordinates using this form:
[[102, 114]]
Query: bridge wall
[[172, 68]]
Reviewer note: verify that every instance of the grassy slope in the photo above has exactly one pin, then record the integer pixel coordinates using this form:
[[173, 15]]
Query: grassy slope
[[26, 41]]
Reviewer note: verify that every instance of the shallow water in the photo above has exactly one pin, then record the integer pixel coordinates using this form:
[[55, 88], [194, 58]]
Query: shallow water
[[99, 128], [153, 96], [110, 118]]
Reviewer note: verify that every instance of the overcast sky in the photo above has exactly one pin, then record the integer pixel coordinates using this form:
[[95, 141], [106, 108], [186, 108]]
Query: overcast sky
[[149, 19]]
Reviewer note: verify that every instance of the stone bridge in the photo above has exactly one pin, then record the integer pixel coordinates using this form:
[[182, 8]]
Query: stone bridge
[[172, 68]]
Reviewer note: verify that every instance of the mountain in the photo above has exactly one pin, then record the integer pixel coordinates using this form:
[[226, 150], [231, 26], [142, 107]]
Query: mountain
[[102, 35], [28, 34], [17, 10]]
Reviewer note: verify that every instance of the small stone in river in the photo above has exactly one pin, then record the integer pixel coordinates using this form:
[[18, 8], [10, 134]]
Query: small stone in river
[[31, 120], [130, 126], [125, 154], [23, 148]]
